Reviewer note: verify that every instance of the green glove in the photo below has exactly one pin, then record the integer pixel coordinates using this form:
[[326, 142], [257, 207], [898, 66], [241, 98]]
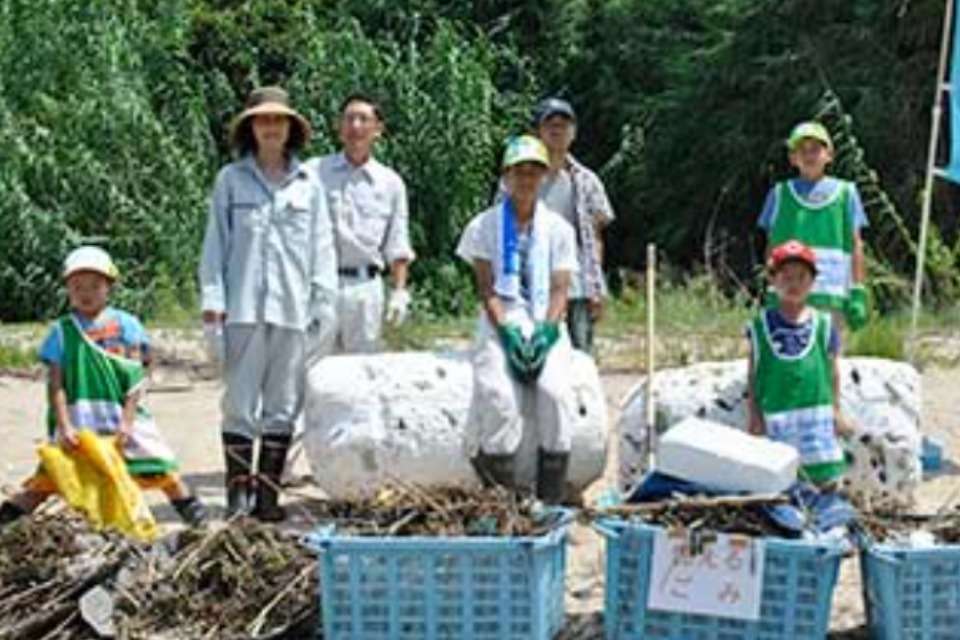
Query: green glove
[[545, 335], [857, 308], [515, 348]]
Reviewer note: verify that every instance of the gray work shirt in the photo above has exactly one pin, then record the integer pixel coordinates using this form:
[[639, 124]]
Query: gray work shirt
[[268, 253], [556, 191], [368, 204]]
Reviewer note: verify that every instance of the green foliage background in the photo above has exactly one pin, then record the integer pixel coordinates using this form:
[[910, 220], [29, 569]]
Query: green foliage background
[[113, 116]]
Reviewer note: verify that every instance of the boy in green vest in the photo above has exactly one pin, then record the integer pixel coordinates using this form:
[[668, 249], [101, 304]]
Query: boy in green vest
[[826, 214], [793, 377], [96, 357]]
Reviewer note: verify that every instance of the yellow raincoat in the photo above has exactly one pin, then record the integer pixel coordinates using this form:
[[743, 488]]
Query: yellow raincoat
[[93, 478]]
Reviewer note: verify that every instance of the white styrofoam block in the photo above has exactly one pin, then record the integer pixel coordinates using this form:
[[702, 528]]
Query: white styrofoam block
[[709, 390], [726, 459], [371, 418], [881, 398]]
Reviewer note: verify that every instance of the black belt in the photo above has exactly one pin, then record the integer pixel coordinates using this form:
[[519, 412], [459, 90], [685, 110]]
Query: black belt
[[370, 270]]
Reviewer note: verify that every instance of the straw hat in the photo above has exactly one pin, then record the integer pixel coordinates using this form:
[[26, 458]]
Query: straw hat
[[269, 100]]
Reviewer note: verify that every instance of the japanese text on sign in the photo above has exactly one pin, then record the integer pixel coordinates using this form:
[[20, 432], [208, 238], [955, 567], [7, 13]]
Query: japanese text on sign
[[722, 577]]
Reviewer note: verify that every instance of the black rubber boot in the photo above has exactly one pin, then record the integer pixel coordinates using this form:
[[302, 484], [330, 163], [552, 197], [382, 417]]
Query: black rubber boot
[[10, 512], [191, 511], [495, 470], [552, 476], [238, 456], [273, 458]]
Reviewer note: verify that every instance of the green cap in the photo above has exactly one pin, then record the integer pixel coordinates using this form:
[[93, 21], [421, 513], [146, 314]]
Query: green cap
[[525, 149], [811, 130]]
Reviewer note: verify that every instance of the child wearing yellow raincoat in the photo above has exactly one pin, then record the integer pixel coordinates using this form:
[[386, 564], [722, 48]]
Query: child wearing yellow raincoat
[[96, 356]]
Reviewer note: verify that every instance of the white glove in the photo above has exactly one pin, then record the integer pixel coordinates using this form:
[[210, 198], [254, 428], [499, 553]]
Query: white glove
[[214, 342], [398, 306]]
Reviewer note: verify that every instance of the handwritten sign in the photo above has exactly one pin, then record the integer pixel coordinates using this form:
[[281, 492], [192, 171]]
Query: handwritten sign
[[722, 577]]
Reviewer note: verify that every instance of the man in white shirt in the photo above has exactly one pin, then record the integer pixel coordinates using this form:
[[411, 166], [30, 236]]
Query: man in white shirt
[[368, 204]]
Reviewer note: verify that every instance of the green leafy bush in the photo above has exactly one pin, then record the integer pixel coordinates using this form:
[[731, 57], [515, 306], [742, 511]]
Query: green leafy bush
[[107, 141], [881, 338], [114, 119]]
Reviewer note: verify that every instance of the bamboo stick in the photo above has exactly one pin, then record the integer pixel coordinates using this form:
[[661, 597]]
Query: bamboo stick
[[651, 413]]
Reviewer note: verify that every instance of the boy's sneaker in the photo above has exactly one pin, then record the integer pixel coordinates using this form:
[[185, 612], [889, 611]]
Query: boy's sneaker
[[10, 512], [191, 511]]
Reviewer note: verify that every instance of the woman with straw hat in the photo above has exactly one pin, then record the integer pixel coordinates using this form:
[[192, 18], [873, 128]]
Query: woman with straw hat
[[268, 281]]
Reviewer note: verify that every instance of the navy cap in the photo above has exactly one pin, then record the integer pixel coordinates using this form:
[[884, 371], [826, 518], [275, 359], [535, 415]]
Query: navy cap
[[553, 107]]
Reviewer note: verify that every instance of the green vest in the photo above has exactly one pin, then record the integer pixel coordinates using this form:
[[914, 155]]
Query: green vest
[[795, 396], [97, 384], [826, 228]]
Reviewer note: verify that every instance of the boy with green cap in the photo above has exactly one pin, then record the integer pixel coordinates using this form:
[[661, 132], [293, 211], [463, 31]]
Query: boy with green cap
[[523, 256], [793, 378], [827, 214]]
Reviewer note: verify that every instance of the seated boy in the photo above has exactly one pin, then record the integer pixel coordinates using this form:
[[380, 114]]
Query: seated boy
[[793, 379], [96, 356], [523, 255]]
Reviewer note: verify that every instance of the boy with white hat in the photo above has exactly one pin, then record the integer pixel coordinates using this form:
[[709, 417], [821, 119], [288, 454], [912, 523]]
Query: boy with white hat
[[576, 193], [96, 357]]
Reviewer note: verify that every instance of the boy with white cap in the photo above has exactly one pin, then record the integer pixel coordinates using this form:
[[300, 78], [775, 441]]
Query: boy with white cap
[[96, 357], [268, 281], [826, 214], [523, 256]]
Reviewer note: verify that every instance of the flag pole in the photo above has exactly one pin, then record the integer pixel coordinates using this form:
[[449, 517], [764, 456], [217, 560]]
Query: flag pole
[[937, 113]]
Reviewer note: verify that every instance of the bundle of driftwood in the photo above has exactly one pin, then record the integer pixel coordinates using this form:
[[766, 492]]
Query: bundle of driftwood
[[246, 580], [60, 580], [942, 527], [409, 510], [726, 514], [47, 562]]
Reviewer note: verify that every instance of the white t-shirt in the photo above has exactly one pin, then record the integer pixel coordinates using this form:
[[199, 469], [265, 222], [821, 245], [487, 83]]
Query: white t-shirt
[[557, 192], [479, 239]]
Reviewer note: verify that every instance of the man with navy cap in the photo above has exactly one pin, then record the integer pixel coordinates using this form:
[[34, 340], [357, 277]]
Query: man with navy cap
[[576, 193]]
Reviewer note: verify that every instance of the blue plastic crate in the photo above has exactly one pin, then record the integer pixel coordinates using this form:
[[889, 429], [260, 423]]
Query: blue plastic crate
[[912, 594], [425, 588], [798, 582]]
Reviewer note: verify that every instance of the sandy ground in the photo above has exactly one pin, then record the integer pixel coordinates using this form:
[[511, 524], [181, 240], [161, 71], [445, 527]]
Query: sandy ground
[[187, 411]]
